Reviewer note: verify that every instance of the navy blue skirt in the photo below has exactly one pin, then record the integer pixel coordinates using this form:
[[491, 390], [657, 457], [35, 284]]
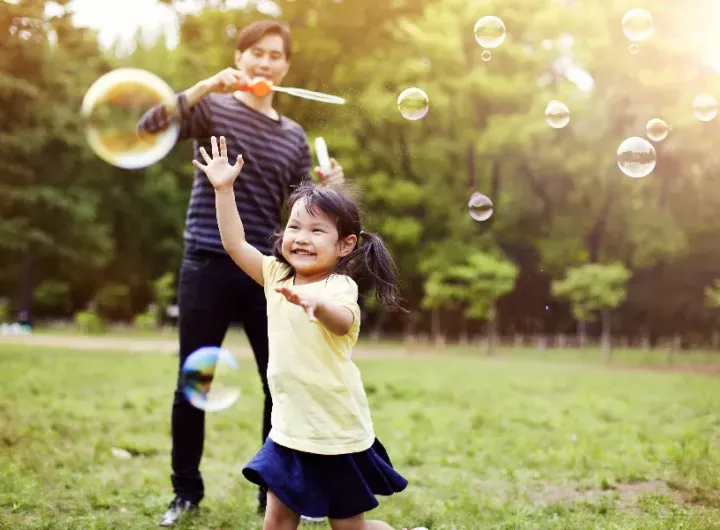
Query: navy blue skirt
[[334, 486]]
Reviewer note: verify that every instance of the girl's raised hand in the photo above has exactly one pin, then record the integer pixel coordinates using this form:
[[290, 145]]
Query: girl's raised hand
[[219, 172], [308, 303]]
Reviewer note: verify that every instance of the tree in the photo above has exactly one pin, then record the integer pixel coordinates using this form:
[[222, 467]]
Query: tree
[[593, 288], [476, 284]]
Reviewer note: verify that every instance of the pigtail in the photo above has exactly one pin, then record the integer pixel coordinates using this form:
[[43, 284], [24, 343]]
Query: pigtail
[[372, 258]]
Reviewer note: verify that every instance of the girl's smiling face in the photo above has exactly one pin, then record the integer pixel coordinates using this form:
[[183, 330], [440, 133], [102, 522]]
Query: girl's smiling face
[[310, 243]]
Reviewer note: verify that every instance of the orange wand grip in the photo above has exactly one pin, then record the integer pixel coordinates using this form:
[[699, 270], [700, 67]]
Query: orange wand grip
[[259, 86]]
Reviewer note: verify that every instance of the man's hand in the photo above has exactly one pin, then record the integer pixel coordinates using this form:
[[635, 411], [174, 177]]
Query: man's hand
[[226, 81], [220, 173], [333, 177]]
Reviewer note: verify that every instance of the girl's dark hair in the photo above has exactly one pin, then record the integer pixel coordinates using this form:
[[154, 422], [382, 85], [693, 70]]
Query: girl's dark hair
[[369, 259], [252, 33]]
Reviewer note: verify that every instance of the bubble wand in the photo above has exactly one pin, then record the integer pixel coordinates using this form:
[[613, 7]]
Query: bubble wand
[[261, 87], [321, 151]]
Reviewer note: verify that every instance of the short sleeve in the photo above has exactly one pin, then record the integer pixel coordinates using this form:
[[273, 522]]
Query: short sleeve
[[272, 270], [343, 290]]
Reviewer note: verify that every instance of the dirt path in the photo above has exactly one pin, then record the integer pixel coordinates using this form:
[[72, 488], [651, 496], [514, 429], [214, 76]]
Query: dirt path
[[148, 344]]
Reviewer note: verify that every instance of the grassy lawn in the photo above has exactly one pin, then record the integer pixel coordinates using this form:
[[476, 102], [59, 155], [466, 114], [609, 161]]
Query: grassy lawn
[[520, 441]]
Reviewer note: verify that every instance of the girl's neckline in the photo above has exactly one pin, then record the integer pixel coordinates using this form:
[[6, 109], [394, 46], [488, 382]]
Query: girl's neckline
[[292, 281]]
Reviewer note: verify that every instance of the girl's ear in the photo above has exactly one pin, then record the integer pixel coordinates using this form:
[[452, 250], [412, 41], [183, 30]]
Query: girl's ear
[[347, 245]]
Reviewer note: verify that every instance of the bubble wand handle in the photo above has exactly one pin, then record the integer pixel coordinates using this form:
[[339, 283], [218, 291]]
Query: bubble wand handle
[[261, 87], [321, 151]]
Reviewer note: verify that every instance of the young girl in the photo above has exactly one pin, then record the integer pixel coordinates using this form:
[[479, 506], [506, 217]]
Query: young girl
[[322, 458]]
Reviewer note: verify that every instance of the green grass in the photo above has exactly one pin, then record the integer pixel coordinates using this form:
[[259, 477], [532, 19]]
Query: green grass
[[518, 442]]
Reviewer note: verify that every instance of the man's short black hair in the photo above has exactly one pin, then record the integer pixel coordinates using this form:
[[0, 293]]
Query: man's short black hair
[[252, 33]]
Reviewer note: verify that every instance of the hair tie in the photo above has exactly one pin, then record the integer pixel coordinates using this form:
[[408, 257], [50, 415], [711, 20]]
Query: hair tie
[[363, 233]]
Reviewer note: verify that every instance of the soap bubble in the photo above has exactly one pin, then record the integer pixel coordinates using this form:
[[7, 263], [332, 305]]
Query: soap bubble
[[480, 207], [636, 157], [413, 103], [111, 110], [637, 25], [557, 115], [486, 56], [489, 32], [705, 107], [633, 49], [657, 130], [210, 379]]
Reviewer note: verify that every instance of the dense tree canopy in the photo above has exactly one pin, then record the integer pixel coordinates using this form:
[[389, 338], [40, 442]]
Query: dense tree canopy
[[70, 224]]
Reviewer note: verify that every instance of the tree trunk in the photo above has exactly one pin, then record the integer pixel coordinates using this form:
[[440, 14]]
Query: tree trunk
[[606, 336], [376, 333], [645, 340], [492, 329], [675, 345], [582, 333], [518, 340], [25, 291], [438, 336]]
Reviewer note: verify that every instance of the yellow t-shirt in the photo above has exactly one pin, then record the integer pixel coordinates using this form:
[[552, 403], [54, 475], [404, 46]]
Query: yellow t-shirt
[[319, 403]]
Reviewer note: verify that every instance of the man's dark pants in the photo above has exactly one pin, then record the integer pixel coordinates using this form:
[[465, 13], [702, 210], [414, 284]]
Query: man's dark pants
[[212, 292]]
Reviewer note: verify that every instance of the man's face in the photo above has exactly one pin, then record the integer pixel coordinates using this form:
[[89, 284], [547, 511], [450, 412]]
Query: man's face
[[266, 58]]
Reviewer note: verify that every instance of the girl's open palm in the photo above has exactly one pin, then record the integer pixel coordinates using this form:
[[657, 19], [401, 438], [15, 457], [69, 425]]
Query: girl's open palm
[[220, 173], [308, 303]]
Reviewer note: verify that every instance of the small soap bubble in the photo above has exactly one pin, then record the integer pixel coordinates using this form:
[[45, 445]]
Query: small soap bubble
[[480, 207], [557, 115], [486, 56], [657, 130], [413, 103], [489, 32], [633, 49], [705, 107], [637, 24], [636, 157]]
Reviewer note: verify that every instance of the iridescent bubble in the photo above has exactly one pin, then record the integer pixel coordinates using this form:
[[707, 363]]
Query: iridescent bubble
[[489, 32], [637, 24], [636, 157], [705, 107], [633, 49], [111, 110], [486, 56], [557, 115], [209, 379], [657, 130], [480, 207], [413, 103]]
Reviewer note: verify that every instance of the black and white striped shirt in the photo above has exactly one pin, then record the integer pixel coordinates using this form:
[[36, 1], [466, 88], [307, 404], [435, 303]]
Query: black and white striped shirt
[[277, 158]]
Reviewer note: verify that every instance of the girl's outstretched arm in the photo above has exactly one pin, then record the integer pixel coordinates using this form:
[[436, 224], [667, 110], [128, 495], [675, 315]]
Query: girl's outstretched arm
[[336, 318], [222, 175]]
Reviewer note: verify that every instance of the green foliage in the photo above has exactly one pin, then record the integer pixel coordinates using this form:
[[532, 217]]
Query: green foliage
[[113, 301], [53, 294], [560, 199], [712, 295], [164, 291], [593, 287], [4, 312], [88, 321], [477, 283], [146, 321]]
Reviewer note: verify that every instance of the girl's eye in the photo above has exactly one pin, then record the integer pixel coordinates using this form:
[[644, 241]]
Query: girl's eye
[[318, 231], [292, 227]]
